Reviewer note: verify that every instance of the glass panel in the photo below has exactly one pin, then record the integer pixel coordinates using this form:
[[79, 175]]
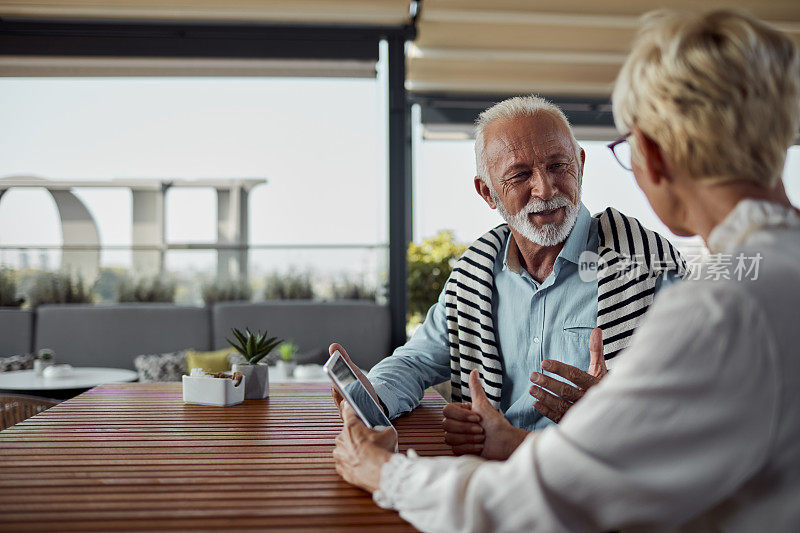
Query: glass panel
[[189, 269], [334, 273]]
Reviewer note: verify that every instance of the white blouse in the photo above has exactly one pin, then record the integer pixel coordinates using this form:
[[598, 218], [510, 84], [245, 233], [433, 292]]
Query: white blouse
[[697, 427]]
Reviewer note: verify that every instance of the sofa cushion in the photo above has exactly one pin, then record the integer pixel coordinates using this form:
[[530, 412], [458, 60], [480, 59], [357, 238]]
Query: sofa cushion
[[112, 335], [361, 327], [217, 361], [17, 362], [161, 367]]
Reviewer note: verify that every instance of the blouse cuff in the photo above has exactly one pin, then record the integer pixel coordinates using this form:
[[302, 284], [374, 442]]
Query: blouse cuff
[[393, 475]]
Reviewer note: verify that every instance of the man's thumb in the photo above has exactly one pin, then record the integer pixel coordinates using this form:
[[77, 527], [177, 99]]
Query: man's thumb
[[597, 362], [479, 399]]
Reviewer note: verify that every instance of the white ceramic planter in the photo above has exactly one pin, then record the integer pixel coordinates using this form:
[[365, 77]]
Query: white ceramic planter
[[256, 380], [285, 369], [40, 364], [206, 390]]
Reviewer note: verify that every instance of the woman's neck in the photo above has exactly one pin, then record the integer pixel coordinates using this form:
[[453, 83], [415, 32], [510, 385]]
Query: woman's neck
[[707, 205]]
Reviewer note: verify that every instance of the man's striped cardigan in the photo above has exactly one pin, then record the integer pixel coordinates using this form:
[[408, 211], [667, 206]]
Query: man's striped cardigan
[[629, 259]]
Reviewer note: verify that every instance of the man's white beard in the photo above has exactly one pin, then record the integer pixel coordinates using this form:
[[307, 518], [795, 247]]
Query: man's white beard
[[547, 234]]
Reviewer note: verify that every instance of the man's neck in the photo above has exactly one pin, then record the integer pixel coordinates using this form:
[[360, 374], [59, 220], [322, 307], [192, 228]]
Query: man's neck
[[538, 260]]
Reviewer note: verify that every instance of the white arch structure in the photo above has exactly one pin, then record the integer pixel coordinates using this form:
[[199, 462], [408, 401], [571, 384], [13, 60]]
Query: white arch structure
[[81, 239]]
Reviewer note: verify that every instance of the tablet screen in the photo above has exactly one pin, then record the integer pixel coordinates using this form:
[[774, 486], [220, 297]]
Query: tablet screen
[[356, 394]]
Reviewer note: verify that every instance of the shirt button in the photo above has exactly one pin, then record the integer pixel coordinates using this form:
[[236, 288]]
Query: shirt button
[[536, 340]]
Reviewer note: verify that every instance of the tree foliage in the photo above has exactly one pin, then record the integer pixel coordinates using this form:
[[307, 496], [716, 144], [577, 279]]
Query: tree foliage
[[429, 266]]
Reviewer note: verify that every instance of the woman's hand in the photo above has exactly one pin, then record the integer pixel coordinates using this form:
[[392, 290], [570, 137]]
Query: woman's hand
[[360, 452]]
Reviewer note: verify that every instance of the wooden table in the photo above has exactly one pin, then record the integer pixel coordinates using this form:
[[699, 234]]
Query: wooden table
[[133, 456]]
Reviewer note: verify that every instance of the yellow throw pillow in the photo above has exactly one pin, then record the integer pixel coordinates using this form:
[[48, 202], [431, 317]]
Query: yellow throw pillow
[[209, 361]]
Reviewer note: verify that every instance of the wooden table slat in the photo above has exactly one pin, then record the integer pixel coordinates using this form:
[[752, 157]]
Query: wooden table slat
[[134, 457]]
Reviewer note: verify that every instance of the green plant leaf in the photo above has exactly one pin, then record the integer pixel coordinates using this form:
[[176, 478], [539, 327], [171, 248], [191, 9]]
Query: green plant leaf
[[240, 337], [236, 347]]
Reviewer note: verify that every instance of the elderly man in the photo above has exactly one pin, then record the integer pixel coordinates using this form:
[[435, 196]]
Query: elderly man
[[696, 429], [516, 297]]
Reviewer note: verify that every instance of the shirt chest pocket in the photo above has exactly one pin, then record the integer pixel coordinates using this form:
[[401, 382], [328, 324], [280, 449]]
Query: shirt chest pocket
[[576, 340]]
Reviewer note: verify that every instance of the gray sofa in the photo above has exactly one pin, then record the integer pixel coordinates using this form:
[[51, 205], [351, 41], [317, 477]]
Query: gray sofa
[[361, 327], [16, 331], [112, 335]]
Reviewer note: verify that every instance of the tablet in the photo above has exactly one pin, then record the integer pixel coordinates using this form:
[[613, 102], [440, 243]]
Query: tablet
[[345, 380]]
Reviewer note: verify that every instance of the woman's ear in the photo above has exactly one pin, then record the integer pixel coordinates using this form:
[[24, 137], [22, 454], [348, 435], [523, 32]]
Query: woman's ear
[[647, 157]]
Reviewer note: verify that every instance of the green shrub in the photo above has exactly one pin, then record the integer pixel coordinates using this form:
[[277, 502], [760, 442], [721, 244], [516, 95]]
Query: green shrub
[[289, 286], [8, 289], [59, 288], [348, 288], [287, 350], [226, 291], [429, 266], [146, 290]]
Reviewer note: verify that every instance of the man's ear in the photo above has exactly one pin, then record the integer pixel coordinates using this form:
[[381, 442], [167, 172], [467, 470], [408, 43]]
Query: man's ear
[[583, 161], [650, 158], [483, 190]]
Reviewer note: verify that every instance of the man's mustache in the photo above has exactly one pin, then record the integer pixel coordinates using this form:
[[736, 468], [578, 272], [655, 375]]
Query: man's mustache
[[537, 205]]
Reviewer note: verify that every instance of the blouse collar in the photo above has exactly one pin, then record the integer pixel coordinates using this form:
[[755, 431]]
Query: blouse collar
[[747, 217]]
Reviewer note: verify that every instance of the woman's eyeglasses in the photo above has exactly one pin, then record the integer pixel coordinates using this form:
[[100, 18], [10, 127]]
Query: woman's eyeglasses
[[621, 149]]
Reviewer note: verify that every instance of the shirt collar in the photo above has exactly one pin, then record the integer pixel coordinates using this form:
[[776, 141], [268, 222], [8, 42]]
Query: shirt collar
[[573, 247], [747, 217]]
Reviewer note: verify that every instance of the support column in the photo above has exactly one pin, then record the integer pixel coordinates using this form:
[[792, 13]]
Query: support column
[[232, 217], [399, 187], [148, 230], [78, 229]]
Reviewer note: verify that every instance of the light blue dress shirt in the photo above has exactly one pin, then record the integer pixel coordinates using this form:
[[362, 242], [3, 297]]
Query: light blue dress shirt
[[533, 321]]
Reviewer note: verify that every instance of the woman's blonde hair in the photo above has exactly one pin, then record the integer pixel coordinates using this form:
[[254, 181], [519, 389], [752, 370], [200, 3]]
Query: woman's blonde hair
[[718, 91]]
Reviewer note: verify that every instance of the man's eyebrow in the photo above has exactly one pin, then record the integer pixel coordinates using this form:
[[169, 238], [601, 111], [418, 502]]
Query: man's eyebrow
[[519, 165], [559, 153]]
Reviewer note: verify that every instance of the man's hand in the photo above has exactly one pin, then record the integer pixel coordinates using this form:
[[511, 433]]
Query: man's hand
[[337, 398], [497, 438], [360, 453], [554, 397], [462, 429]]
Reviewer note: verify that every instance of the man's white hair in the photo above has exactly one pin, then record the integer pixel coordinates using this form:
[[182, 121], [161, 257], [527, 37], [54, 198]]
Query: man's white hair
[[518, 106], [718, 91]]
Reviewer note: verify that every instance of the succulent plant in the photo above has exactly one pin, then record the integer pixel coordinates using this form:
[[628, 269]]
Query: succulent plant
[[253, 346]]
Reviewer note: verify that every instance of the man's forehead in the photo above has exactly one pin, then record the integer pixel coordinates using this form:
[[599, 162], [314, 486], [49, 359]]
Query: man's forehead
[[543, 133]]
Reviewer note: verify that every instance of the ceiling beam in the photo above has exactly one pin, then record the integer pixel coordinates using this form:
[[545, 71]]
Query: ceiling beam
[[151, 39]]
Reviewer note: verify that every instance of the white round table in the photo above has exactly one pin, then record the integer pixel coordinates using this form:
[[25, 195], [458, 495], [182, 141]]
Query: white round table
[[81, 378]]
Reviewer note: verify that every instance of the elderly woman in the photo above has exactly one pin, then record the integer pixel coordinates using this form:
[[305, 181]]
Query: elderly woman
[[699, 424]]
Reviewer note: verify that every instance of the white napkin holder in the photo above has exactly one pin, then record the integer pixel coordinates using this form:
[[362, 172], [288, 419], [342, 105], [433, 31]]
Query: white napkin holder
[[202, 389]]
